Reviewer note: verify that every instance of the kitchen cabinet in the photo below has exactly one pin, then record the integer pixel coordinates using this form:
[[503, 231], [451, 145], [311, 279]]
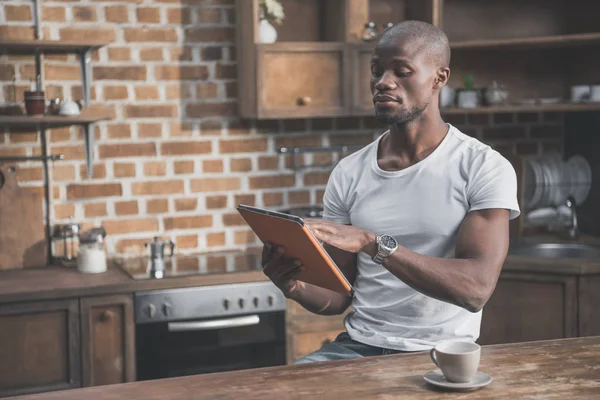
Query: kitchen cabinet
[[362, 99], [39, 347], [107, 340], [526, 307]]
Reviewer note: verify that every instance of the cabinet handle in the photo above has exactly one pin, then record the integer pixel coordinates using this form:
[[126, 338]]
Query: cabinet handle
[[304, 101], [106, 316]]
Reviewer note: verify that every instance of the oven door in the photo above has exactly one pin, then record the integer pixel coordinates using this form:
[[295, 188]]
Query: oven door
[[179, 348]]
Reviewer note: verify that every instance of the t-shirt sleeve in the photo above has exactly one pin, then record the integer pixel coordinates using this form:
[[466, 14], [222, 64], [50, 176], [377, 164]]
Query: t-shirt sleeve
[[493, 184], [334, 199]]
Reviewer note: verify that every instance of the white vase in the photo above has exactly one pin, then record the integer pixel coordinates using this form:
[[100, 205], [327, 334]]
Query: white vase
[[266, 32]]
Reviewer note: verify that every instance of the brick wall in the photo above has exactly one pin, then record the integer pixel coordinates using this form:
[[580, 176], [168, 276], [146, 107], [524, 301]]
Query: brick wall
[[175, 160]]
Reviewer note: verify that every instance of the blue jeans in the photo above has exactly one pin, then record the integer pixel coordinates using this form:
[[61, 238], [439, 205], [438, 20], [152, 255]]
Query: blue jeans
[[344, 348]]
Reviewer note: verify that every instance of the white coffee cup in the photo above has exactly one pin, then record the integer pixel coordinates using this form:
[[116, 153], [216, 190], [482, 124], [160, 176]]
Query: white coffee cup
[[457, 360]]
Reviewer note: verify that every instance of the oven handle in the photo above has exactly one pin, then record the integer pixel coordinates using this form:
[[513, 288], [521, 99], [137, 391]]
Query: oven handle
[[214, 324]]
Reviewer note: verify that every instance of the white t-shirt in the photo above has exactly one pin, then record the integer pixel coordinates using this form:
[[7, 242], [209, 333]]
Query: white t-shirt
[[422, 206]]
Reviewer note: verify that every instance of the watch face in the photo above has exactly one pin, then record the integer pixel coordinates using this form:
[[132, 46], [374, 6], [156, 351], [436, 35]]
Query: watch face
[[387, 241]]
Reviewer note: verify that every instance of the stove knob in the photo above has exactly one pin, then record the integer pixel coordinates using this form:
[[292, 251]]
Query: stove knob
[[241, 303], [151, 310], [226, 304], [255, 301], [271, 300], [167, 310]]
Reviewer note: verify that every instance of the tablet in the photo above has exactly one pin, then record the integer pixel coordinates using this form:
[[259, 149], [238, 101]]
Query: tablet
[[290, 232]]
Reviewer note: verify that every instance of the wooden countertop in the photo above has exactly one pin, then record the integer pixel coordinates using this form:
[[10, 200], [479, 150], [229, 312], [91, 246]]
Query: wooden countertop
[[561, 369]]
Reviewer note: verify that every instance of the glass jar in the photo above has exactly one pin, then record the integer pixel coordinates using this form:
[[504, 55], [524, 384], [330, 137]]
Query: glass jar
[[91, 258], [370, 32]]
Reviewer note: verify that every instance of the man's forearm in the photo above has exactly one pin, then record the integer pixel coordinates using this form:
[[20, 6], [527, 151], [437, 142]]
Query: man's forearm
[[318, 300]]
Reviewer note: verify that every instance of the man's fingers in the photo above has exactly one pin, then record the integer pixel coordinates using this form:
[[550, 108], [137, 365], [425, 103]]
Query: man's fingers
[[275, 258]]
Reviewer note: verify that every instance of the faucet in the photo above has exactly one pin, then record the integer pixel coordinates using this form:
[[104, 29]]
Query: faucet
[[573, 228]]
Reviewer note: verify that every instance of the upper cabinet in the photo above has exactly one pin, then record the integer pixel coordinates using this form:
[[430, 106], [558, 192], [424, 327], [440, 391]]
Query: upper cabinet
[[318, 67]]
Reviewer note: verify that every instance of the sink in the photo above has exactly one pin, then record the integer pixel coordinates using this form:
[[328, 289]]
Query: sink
[[556, 250]]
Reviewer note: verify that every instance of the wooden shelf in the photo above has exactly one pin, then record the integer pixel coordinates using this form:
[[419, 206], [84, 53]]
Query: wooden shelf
[[49, 121], [48, 46], [524, 108], [574, 40]]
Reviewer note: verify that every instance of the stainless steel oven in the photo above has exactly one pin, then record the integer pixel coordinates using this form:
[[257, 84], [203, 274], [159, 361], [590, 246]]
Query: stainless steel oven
[[209, 329]]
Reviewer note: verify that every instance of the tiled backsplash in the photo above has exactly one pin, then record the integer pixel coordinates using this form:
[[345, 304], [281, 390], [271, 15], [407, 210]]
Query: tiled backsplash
[[175, 160]]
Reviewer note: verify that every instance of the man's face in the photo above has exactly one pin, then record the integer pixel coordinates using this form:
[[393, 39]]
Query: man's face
[[402, 81]]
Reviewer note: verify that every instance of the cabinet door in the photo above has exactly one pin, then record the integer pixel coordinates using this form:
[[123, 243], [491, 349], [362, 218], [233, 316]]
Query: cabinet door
[[107, 331], [362, 99], [302, 80], [39, 347], [526, 307]]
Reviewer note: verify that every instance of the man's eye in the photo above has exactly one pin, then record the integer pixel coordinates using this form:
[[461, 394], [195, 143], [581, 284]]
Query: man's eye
[[376, 72], [403, 74]]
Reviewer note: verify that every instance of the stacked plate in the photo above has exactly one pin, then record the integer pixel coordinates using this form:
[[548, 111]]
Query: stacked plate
[[549, 181]]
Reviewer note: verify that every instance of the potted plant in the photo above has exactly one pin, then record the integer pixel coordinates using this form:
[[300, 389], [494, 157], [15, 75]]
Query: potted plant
[[469, 96], [270, 11]]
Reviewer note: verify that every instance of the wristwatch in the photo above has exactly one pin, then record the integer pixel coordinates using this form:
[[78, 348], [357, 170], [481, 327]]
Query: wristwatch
[[386, 245]]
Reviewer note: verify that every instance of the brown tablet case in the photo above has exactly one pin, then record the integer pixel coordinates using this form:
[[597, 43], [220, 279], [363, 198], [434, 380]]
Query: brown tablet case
[[290, 232]]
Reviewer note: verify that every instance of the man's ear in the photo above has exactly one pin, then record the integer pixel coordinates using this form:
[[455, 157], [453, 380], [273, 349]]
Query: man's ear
[[442, 76]]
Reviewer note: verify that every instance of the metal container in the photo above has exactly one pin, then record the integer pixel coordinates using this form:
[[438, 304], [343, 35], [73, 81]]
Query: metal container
[[66, 236]]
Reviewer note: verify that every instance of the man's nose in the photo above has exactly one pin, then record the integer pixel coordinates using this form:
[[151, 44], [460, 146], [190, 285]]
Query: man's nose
[[386, 82]]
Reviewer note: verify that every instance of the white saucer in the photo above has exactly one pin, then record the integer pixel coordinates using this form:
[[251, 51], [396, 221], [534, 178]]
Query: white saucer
[[436, 378]]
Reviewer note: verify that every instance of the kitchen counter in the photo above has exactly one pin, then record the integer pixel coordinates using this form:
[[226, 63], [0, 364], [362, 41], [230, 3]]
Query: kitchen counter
[[568, 368]]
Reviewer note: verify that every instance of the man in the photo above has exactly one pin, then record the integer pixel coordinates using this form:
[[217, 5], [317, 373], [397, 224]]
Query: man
[[417, 220]]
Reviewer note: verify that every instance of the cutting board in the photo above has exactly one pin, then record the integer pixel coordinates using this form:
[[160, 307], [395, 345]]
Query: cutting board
[[22, 235]]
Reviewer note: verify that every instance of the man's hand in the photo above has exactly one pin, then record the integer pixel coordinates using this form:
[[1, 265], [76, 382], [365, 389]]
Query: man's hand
[[344, 237], [281, 270]]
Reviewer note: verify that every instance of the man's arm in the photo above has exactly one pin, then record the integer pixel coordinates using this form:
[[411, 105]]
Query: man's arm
[[466, 281]]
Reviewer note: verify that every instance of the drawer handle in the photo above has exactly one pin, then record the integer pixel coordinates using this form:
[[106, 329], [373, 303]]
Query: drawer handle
[[304, 101], [106, 316]]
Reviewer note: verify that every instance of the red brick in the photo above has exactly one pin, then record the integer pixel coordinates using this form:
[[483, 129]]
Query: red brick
[[211, 127], [215, 239], [157, 206], [186, 204], [216, 202], [209, 34], [115, 93], [273, 199], [179, 16], [188, 222], [223, 71], [244, 237], [247, 199], [117, 14], [88, 191], [91, 34], [148, 15], [124, 170], [268, 163], [479, 119], [178, 92], [212, 166], [70, 152], [17, 13], [64, 211], [320, 194], [7, 72], [151, 54], [157, 187], [94, 210], [272, 181], [156, 111], [181, 54], [183, 167], [178, 128], [120, 73], [546, 132], [199, 110], [316, 178], [233, 219], [118, 131], [504, 132], [130, 226], [147, 92], [243, 146], [299, 141], [84, 14], [294, 125], [212, 53], [207, 90], [351, 139], [155, 168], [147, 130], [54, 14], [215, 184], [126, 207], [150, 35], [186, 242], [231, 90], [239, 127], [185, 148], [99, 171], [26, 174], [208, 15], [127, 150], [132, 246], [177, 73], [240, 164], [16, 32], [61, 73], [299, 197], [63, 172], [23, 137], [119, 54]]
